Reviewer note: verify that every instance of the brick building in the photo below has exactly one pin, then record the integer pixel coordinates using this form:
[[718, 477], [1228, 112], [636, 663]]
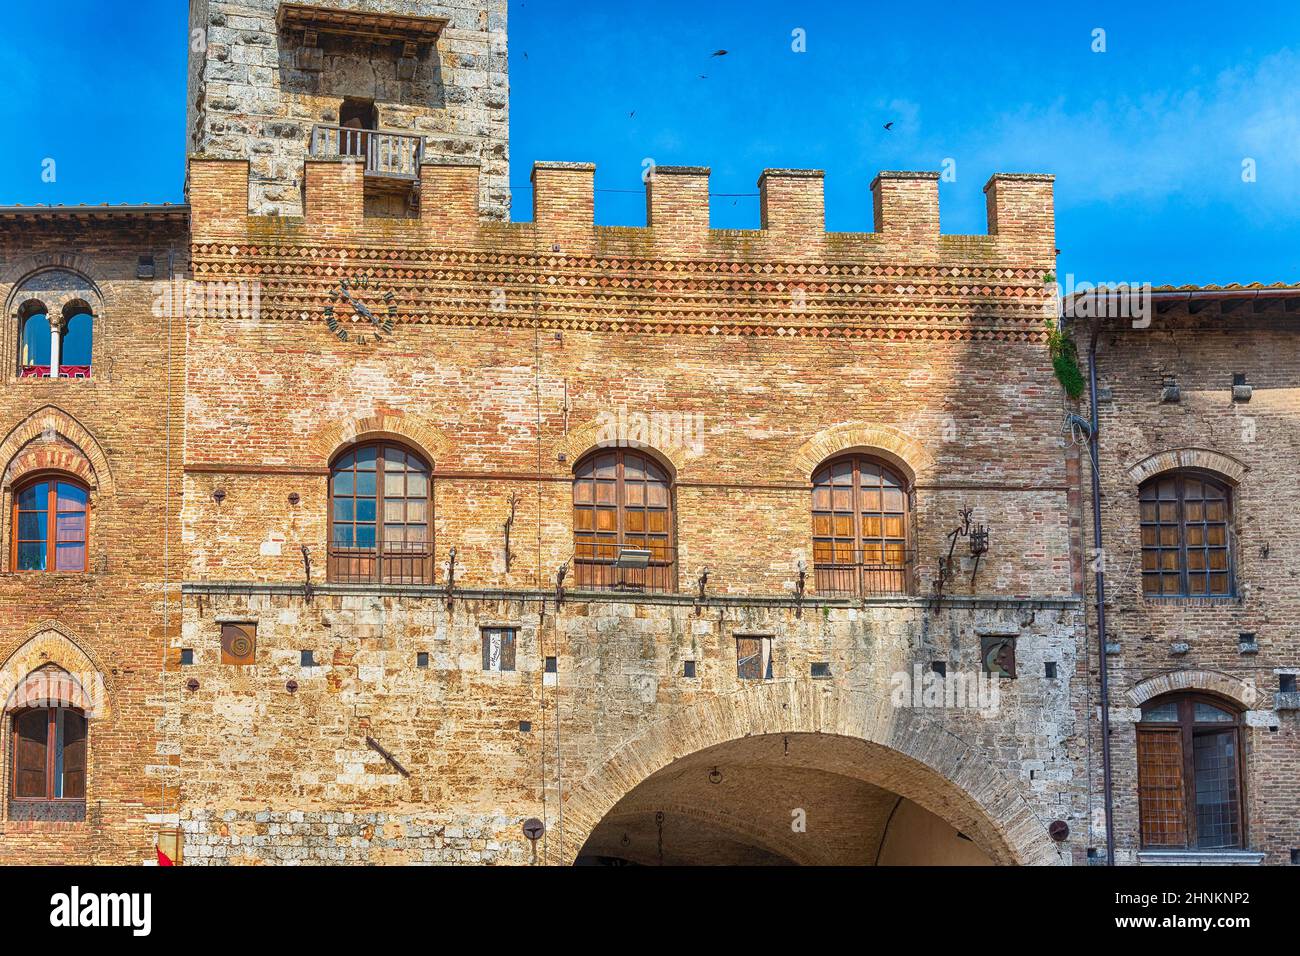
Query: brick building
[[422, 535], [1196, 405]]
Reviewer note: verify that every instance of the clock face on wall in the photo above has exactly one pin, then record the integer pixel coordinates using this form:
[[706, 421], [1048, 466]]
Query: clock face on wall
[[357, 298]]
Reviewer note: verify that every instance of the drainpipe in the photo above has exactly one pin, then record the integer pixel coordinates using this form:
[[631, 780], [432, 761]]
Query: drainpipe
[[1100, 565]]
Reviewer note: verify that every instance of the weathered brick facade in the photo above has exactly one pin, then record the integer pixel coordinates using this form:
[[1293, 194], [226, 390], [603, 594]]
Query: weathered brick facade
[[1234, 648]]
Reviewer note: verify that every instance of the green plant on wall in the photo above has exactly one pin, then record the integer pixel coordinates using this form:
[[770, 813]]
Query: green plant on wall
[[1065, 360]]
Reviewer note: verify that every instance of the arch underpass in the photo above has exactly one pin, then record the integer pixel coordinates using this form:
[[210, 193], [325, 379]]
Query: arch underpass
[[789, 773], [799, 799]]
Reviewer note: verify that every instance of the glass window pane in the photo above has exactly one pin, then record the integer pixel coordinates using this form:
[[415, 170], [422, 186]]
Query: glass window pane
[[343, 536], [1165, 712], [365, 536], [1214, 756], [34, 497], [31, 525], [343, 509], [417, 485], [366, 483], [70, 528], [1209, 714], [31, 557], [70, 557], [394, 484], [365, 509], [366, 459], [71, 498], [36, 340], [343, 483], [75, 349]]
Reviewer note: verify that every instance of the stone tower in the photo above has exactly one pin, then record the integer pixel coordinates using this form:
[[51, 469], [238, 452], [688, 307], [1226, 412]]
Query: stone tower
[[382, 83]]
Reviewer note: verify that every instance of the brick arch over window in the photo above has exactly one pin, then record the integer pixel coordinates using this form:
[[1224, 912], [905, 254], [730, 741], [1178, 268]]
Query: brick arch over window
[[943, 773], [425, 439], [599, 434], [1181, 681], [1183, 458], [50, 643], [74, 450], [893, 445], [18, 273]]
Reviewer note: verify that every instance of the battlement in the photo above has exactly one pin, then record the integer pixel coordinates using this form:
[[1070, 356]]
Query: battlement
[[1021, 224]]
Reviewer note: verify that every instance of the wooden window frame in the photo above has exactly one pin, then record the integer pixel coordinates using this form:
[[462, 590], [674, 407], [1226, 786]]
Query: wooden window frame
[[1187, 727], [51, 762], [54, 479], [594, 571], [505, 635], [867, 578], [424, 561], [1184, 592]]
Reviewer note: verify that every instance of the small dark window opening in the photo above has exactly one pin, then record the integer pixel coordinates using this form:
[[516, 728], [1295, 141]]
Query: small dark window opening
[[422, 659], [187, 656], [821, 669], [939, 667], [688, 668], [1049, 669], [552, 665], [498, 649], [307, 658], [1286, 683], [525, 726], [754, 658]]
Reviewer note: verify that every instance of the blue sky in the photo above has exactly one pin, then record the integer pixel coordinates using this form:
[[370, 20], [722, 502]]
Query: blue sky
[[1147, 139]]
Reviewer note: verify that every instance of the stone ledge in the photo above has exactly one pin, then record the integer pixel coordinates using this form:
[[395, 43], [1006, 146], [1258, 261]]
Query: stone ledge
[[1200, 858], [417, 592]]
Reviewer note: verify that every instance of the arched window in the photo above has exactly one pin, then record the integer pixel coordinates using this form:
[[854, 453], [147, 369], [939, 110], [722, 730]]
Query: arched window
[[50, 518], [33, 340], [77, 339], [860, 528], [1190, 774], [47, 732], [1186, 550], [623, 523], [381, 516]]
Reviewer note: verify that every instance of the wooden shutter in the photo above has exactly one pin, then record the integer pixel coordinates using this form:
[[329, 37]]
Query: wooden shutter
[[1162, 795], [31, 754], [74, 755], [507, 649]]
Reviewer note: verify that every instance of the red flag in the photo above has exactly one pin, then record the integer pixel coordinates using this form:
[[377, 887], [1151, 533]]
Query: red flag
[[164, 859]]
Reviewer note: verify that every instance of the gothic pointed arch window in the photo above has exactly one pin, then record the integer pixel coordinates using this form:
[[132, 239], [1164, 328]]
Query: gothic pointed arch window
[[48, 736], [1186, 540], [1190, 773], [861, 516], [381, 516], [623, 522], [50, 527]]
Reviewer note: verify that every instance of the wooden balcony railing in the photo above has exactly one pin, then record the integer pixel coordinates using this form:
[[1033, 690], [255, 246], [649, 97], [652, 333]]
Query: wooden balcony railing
[[397, 562], [387, 155], [864, 574]]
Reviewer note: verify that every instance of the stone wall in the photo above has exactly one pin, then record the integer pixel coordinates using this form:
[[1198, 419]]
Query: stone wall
[[250, 97]]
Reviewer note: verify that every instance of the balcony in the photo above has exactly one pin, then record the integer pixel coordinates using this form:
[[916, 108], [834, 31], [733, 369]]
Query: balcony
[[845, 572], [388, 156], [630, 568]]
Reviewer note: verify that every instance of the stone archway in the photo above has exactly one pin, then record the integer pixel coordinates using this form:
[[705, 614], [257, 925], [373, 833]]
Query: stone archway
[[876, 750]]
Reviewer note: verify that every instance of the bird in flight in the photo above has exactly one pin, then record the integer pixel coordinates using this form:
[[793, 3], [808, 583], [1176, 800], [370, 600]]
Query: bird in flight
[[718, 53], [889, 125]]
